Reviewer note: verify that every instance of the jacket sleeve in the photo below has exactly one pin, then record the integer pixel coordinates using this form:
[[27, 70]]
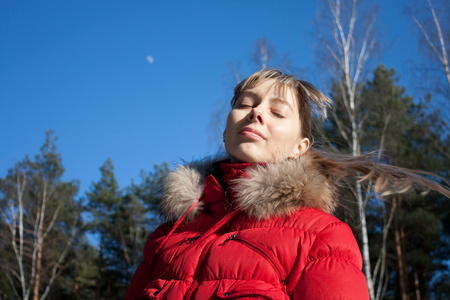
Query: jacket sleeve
[[333, 268], [144, 272]]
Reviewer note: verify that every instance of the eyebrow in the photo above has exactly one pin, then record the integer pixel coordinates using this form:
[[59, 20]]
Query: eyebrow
[[282, 101], [279, 99]]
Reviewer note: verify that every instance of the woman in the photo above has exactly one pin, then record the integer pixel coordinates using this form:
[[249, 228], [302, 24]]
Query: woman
[[258, 225]]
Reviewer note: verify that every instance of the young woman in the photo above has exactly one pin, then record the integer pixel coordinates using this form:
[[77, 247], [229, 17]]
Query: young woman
[[259, 224]]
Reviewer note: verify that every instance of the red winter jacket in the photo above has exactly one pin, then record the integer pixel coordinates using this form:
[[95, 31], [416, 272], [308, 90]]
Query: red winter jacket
[[269, 235]]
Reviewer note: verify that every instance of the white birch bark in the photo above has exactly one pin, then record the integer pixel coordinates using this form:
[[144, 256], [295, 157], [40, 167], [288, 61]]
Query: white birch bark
[[437, 44], [379, 272], [16, 227], [30, 282], [350, 54]]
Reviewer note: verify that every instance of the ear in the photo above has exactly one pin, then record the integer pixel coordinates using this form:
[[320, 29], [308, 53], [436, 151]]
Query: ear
[[300, 148]]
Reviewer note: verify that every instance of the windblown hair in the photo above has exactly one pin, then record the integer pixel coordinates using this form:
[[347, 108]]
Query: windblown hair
[[387, 179]]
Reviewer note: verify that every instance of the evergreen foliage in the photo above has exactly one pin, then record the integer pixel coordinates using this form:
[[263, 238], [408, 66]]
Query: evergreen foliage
[[119, 220], [122, 221], [39, 222], [406, 133]]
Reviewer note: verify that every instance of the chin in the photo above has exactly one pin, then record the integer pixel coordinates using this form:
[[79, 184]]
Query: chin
[[244, 158], [237, 160], [250, 154], [252, 158]]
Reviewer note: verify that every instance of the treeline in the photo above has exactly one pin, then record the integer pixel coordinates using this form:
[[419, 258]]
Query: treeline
[[409, 234], [56, 245]]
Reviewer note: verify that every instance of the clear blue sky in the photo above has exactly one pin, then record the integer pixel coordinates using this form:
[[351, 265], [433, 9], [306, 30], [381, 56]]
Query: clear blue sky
[[83, 69]]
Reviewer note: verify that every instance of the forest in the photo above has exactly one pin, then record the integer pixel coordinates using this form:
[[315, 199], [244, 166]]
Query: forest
[[56, 244]]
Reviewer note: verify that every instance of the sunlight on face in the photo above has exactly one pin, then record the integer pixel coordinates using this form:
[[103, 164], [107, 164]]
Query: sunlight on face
[[264, 125]]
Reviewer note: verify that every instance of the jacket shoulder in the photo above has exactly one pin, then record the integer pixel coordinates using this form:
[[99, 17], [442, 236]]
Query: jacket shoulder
[[333, 264], [333, 238], [313, 219]]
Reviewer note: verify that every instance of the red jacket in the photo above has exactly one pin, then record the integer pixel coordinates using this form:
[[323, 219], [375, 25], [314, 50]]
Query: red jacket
[[269, 235]]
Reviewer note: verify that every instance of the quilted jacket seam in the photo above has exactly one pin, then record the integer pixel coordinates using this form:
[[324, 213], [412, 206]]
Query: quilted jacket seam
[[336, 257]]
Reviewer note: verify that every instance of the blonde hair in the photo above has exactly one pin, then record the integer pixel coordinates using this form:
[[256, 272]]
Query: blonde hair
[[310, 99], [387, 179]]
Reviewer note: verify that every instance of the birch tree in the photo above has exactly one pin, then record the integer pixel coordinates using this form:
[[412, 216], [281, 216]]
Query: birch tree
[[347, 40], [40, 215], [432, 20], [404, 132], [388, 114], [417, 241]]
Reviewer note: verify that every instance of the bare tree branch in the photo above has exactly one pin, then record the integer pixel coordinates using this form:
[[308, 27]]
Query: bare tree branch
[[433, 33], [350, 51], [60, 260]]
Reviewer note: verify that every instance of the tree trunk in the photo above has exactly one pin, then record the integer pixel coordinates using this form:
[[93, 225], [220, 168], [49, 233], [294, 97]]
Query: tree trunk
[[40, 243], [365, 241], [417, 285], [37, 280], [99, 271], [435, 38], [348, 54], [402, 272], [356, 150]]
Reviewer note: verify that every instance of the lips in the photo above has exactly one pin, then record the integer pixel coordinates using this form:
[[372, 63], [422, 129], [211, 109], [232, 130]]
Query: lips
[[252, 133]]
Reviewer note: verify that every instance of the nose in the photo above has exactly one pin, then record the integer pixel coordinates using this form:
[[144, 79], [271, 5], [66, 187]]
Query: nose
[[256, 115]]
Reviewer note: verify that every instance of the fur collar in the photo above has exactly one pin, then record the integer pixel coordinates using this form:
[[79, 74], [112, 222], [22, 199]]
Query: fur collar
[[275, 189]]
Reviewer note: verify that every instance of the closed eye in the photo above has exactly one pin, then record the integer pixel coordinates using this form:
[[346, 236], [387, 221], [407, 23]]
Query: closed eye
[[246, 100], [245, 105], [278, 114]]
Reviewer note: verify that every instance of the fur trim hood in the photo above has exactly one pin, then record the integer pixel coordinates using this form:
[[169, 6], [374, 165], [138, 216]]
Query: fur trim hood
[[274, 189]]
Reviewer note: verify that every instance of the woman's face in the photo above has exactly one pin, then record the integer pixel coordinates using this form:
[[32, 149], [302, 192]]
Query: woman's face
[[264, 125]]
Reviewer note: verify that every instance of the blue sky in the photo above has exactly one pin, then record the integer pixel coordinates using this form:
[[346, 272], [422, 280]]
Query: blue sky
[[137, 81]]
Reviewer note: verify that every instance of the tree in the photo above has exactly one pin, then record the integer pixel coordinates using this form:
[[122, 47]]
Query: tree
[[122, 220], [418, 221], [406, 228], [434, 33], [347, 37], [40, 219], [104, 201], [139, 215], [148, 190]]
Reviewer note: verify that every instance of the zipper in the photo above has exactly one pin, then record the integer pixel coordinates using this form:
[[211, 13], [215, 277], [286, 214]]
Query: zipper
[[191, 239], [231, 237], [199, 271], [255, 246], [228, 204], [186, 241], [197, 241]]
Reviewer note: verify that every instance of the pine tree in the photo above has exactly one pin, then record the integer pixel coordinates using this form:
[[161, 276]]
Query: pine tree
[[407, 134], [104, 201], [122, 221]]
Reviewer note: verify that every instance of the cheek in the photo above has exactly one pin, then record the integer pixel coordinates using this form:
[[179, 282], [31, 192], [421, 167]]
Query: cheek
[[286, 131], [232, 119], [228, 125], [230, 128]]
